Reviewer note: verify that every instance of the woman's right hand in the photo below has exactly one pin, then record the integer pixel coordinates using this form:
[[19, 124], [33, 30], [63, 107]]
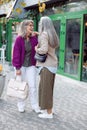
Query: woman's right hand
[[18, 72], [35, 33]]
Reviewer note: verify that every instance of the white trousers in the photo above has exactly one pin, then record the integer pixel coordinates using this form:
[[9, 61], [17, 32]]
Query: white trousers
[[29, 74]]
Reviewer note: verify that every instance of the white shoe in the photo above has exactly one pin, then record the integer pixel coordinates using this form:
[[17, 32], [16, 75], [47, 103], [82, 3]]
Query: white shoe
[[21, 106], [37, 110], [46, 115], [43, 111], [21, 110]]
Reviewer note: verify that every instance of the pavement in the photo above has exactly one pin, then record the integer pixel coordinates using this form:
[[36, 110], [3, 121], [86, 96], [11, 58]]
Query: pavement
[[70, 107]]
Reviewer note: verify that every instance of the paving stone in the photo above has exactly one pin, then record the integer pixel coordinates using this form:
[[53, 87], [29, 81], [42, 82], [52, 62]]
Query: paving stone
[[70, 108]]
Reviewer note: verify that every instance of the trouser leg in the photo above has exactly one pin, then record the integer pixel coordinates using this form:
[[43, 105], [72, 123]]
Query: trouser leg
[[29, 75], [21, 102], [46, 89], [31, 78]]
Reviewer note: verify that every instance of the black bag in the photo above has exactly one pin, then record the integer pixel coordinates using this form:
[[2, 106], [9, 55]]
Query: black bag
[[40, 57]]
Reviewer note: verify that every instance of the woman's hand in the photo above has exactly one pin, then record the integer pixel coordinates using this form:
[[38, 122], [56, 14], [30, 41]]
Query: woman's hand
[[36, 48], [35, 33], [18, 72]]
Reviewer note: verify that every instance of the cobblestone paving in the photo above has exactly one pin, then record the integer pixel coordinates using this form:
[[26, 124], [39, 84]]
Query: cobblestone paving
[[70, 108]]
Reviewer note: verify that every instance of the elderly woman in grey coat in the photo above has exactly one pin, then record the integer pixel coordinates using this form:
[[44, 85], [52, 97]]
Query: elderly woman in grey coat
[[48, 41]]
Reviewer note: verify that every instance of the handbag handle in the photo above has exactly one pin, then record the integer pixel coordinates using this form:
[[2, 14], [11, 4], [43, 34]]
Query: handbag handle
[[18, 78]]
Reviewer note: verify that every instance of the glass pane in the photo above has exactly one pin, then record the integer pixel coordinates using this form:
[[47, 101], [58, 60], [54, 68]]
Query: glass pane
[[72, 46], [84, 66], [67, 7], [75, 6], [57, 28], [15, 29]]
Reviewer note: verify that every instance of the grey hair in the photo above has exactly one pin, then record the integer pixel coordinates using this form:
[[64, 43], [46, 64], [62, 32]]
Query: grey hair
[[23, 27], [46, 25]]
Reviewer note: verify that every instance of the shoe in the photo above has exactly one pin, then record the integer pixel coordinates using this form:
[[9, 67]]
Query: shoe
[[46, 115], [43, 111], [21, 110], [37, 110], [21, 107]]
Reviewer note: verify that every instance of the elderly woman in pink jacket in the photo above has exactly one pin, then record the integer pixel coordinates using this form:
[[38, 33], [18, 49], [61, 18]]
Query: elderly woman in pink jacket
[[24, 62], [47, 43]]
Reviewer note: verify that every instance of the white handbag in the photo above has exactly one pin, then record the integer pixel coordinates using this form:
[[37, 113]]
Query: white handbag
[[17, 89]]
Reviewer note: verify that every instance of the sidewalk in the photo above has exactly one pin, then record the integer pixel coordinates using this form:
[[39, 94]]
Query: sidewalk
[[70, 108]]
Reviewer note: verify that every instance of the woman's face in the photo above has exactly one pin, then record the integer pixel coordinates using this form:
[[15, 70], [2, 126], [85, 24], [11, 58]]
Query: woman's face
[[30, 28]]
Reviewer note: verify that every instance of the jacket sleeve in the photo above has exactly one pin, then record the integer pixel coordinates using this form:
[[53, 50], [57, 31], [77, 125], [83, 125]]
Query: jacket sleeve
[[16, 61], [43, 45]]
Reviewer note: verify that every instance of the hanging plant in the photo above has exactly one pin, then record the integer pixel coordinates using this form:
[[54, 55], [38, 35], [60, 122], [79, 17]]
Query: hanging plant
[[42, 7], [18, 10], [23, 4], [31, 14]]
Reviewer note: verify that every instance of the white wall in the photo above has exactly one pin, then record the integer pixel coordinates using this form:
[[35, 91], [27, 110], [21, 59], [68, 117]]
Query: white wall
[[33, 2]]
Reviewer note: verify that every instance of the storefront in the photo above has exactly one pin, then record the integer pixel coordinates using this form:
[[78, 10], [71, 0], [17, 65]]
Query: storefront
[[72, 54], [2, 37], [2, 29], [70, 21], [8, 32], [12, 31]]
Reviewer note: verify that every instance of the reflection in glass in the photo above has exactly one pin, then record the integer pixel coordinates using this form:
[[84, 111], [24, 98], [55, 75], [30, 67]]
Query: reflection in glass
[[15, 29], [84, 65], [57, 28], [72, 46]]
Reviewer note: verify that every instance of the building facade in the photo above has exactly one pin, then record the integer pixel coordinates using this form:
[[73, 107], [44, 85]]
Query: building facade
[[70, 21]]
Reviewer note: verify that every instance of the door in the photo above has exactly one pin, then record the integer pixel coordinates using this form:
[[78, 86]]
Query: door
[[84, 63], [69, 28], [57, 28], [72, 46]]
